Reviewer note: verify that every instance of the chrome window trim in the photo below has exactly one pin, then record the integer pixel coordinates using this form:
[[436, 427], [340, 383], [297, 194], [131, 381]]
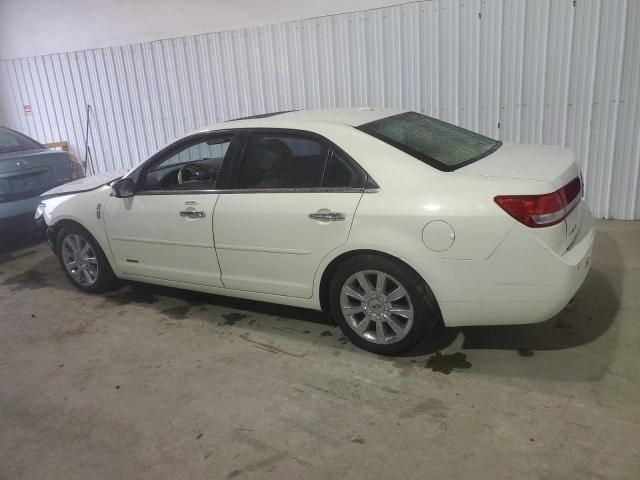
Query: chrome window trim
[[259, 190], [370, 186]]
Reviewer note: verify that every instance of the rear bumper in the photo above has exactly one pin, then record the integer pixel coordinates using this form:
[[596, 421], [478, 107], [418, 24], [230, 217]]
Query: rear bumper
[[522, 282]]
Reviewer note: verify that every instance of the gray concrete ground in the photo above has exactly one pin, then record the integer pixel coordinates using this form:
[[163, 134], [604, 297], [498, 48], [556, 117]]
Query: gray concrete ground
[[157, 383]]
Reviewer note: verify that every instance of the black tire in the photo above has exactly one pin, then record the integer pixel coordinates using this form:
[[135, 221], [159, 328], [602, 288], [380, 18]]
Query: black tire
[[426, 313], [106, 279]]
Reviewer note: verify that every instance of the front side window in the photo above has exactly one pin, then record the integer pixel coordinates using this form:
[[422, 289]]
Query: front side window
[[11, 141], [194, 167], [440, 144], [282, 161]]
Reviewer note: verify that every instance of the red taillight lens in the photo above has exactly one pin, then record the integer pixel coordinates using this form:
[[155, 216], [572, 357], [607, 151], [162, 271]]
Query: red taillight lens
[[537, 211], [571, 194]]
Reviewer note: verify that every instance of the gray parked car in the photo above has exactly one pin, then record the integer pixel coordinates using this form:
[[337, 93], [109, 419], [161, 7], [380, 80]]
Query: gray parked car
[[27, 169]]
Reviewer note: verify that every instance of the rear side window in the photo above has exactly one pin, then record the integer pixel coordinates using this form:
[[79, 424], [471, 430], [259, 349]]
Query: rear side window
[[341, 172], [282, 161], [437, 143], [11, 141]]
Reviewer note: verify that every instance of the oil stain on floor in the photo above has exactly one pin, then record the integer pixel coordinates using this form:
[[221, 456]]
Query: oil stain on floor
[[233, 318], [131, 295], [177, 313], [30, 280], [447, 363]]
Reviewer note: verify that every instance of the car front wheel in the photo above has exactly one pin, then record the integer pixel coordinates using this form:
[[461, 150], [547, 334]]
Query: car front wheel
[[381, 304], [83, 261]]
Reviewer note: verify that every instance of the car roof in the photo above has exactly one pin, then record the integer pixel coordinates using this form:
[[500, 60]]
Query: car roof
[[301, 119], [343, 116]]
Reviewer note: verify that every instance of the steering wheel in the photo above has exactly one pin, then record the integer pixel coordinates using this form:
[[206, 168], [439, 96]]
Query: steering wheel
[[197, 173]]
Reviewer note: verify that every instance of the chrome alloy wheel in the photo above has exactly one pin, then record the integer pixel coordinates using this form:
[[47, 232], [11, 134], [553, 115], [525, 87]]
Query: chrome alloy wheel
[[376, 306], [79, 259]]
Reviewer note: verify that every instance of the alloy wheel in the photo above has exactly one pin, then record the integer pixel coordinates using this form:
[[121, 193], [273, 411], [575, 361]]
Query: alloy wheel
[[376, 306], [79, 259]]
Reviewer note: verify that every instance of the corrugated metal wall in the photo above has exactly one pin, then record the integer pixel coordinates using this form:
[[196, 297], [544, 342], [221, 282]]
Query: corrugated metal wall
[[552, 71]]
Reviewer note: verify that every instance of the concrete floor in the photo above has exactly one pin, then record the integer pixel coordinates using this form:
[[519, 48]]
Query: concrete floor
[[156, 383]]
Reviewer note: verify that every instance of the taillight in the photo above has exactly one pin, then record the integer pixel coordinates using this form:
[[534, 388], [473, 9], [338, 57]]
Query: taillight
[[537, 211]]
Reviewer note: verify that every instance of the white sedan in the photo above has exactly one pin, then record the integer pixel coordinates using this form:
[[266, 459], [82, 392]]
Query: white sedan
[[389, 220]]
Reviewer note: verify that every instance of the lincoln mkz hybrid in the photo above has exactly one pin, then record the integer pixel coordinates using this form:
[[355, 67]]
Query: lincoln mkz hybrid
[[389, 220]]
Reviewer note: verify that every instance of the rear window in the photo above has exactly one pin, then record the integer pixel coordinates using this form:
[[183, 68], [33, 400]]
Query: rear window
[[282, 161], [437, 143], [11, 141]]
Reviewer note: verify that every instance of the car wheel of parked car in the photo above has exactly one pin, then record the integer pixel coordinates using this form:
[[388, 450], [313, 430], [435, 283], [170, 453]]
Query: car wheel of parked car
[[83, 261], [381, 304]]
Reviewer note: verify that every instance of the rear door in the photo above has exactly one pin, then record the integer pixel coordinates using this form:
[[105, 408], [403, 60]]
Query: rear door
[[165, 230], [291, 199]]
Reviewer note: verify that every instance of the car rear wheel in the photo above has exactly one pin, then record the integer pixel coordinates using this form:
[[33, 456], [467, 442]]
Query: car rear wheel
[[381, 304], [83, 261]]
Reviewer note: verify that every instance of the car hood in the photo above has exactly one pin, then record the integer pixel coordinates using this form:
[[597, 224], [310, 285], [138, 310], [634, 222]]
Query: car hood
[[85, 184]]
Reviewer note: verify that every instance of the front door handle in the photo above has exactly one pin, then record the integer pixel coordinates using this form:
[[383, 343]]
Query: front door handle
[[327, 216], [192, 214]]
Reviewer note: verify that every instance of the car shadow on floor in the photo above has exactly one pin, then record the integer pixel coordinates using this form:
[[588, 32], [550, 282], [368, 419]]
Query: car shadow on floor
[[590, 315], [589, 318], [134, 292]]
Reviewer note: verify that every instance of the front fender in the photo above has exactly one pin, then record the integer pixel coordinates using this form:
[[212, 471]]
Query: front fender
[[86, 209]]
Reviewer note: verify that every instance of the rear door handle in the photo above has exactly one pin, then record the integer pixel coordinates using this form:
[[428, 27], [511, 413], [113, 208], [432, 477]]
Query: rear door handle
[[327, 216], [192, 214]]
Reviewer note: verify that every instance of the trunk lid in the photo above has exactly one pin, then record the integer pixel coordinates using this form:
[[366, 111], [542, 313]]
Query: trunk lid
[[27, 174], [552, 165], [546, 163]]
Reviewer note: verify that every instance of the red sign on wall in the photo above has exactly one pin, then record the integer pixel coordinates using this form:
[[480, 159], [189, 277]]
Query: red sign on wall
[[27, 109]]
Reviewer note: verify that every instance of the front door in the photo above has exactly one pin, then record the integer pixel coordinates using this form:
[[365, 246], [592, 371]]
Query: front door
[[292, 202], [165, 231]]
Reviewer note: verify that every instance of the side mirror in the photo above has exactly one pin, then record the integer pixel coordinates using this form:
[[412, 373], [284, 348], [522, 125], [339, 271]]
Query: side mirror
[[123, 188]]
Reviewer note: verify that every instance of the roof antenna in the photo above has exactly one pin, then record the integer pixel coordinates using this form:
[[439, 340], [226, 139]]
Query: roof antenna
[[87, 149]]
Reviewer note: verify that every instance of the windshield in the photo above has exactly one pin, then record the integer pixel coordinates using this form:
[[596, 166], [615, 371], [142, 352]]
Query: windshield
[[437, 143], [11, 141]]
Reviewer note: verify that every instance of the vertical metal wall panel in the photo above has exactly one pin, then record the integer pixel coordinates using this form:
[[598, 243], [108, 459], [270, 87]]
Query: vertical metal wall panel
[[556, 94], [626, 172], [608, 77], [491, 52], [547, 71], [512, 75]]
